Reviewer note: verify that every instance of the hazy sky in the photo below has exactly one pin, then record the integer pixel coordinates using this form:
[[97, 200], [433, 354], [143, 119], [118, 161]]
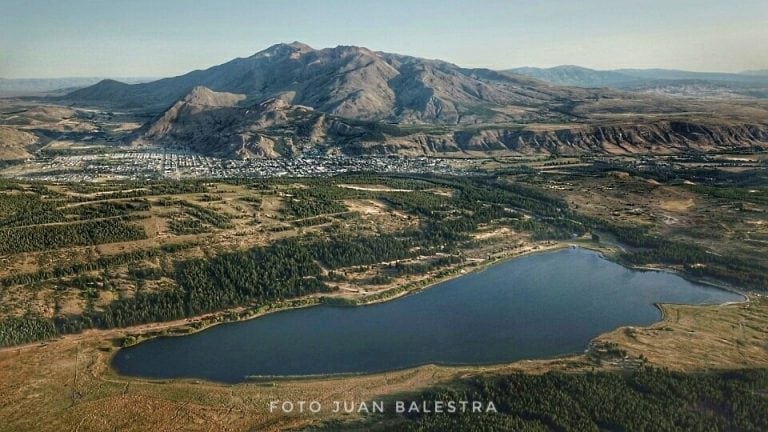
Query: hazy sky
[[56, 38]]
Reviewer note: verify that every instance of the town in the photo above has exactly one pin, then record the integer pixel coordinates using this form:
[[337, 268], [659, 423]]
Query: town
[[138, 165]]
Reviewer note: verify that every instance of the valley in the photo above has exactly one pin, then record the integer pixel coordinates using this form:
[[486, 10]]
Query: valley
[[345, 181]]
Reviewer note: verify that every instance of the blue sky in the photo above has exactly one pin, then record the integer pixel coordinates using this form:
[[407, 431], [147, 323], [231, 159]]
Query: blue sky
[[47, 38]]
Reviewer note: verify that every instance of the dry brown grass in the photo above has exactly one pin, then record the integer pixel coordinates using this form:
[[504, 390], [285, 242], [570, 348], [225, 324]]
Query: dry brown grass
[[693, 337], [677, 206]]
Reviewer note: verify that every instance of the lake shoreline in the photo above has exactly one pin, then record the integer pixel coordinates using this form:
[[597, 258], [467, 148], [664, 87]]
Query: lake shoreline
[[311, 300], [422, 285], [199, 323]]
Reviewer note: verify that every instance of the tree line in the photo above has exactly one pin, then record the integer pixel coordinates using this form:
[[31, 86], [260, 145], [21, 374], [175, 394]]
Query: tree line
[[645, 400], [43, 237]]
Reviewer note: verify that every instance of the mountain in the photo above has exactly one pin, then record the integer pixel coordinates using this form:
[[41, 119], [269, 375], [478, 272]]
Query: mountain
[[227, 125], [219, 124], [657, 81], [621, 78], [353, 82], [575, 76], [34, 86], [291, 99], [672, 74], [761, 72], [213, 123]]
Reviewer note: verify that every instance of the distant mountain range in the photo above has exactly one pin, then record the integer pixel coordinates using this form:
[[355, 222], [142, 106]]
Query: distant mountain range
[[36, 86], [762, 72], [661, 81], [291, 99]]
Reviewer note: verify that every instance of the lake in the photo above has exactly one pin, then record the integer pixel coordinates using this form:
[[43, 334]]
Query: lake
[[537, 306]]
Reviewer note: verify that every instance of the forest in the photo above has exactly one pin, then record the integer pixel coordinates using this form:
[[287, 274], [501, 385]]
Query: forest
[[42, 237], [649, 248], [312, 202], [645, 400], [28, 328], [256, 275]]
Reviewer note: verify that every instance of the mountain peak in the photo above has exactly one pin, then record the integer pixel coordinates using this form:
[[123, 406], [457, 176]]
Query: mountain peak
[[299, 45], [283, 49], [351, 50], [572, 67]]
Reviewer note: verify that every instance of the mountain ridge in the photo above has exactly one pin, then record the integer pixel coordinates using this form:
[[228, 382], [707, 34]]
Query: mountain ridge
[[36, 86], [354, 82], [669, 82]]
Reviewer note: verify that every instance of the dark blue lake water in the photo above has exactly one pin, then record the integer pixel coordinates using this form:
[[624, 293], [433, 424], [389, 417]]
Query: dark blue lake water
[[532, 307]]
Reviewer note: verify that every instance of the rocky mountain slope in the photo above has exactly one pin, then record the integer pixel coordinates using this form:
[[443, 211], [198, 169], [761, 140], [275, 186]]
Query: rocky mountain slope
[[219, 124], [355, 82], [224, 124]]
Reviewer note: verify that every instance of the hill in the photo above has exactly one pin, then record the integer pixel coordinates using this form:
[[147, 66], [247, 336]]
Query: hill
[[37, 86], [15, 144]]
